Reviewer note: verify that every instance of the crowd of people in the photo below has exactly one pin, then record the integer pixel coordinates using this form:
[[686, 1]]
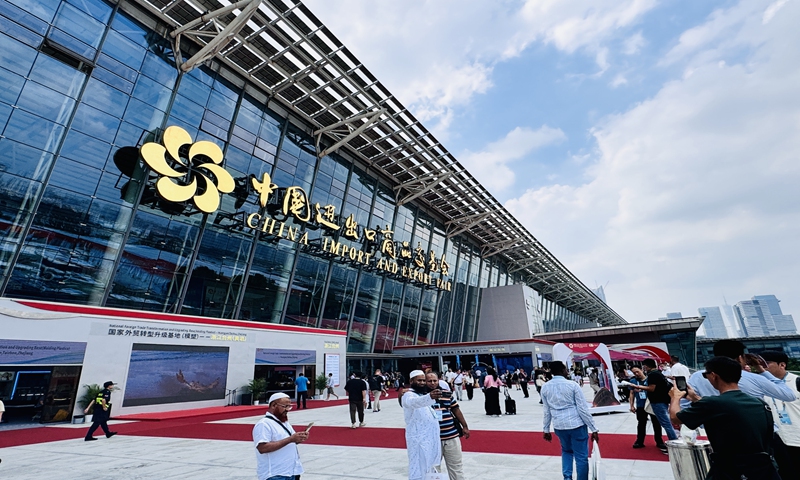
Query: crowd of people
[[748, 405]]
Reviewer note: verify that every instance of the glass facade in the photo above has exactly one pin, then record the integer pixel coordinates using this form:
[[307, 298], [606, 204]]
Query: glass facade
[[81, 220]]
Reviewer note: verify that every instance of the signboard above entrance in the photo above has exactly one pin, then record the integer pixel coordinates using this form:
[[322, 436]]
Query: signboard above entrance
[[192, 171]]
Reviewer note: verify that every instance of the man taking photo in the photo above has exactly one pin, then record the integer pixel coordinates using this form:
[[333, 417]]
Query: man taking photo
[[739, 426]]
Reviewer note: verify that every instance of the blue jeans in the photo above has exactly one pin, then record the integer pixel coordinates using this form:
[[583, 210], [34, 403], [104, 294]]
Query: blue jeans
[[661, 411], [574, 445]]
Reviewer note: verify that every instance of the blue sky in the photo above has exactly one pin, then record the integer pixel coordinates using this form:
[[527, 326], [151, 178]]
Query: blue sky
[[650, 145]]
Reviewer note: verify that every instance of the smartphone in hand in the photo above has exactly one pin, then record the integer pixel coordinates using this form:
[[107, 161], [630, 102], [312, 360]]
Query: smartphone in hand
[[308, 427], [680, 383]]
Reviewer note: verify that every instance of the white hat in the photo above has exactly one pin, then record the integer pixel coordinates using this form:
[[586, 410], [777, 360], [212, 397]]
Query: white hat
[[416, 373], [277, 396]]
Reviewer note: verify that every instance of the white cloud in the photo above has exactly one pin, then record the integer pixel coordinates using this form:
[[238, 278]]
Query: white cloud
[[490, 165], [437, 55], [694, 192], [633, 44]]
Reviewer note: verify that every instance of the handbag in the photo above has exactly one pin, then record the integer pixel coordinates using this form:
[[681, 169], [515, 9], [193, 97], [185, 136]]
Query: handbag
[[434, 475], [648, 408], [595, 463]]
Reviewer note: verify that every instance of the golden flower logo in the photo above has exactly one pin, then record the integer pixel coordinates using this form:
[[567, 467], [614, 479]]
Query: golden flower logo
[[196, 166]]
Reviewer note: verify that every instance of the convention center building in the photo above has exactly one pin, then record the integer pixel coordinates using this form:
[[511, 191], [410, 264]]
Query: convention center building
[[201, 162]]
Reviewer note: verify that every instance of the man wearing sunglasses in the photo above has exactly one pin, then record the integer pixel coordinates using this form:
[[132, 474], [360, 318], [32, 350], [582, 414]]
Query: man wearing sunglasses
[[738, 425], [276, 442]]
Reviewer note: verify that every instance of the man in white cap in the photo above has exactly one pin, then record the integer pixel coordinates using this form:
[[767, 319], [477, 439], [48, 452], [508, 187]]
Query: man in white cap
[[276, 442], [422, 427]]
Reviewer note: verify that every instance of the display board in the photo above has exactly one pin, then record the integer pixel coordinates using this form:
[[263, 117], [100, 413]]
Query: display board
[[332, 366]]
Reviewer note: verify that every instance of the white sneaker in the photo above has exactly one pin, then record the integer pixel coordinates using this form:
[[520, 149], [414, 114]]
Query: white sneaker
[[353, 426], [362, 424]]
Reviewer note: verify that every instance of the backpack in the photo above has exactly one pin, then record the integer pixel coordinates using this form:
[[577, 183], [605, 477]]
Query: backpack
[[375, 383]]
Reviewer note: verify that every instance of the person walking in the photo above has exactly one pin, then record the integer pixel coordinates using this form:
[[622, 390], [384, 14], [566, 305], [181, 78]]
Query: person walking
[[539, 381], [565, 407], [101, 413], [329, 388], [458, 384], [469, 384], [637, 401], [594, 380], [422, 426], [657, 389], [491, 392], [677, 369], [739, 426], [302, 383], [523, 382], [277, 456], [357, 395], [449, 414], [376, 385]]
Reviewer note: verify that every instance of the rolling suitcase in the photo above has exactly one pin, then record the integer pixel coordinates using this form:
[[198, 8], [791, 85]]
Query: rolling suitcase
[[511, 404]]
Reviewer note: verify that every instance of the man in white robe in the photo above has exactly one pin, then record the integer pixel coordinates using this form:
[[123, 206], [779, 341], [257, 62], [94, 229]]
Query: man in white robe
[[422, 427]]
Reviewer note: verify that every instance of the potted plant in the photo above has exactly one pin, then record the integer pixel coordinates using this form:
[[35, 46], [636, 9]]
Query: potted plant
[[91, 393], [320, 382], [257, 386]]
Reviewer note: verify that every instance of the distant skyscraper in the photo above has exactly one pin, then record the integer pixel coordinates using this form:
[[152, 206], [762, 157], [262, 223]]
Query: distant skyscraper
[[713, 325], [762, 316], [601, 294], [734, 330], [784, 324]]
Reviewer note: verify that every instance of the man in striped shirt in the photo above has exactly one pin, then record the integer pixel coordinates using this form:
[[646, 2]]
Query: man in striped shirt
[[566, 407], [446, 408]]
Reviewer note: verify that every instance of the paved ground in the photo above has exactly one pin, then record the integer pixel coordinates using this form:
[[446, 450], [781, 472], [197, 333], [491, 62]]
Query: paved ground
[[167, 457]]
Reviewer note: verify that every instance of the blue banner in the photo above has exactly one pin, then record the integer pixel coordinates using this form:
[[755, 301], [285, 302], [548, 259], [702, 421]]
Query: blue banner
[[37, 352]]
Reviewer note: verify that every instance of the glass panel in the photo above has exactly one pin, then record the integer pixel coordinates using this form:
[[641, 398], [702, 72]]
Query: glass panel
[[390, 314], [217, 275], [408, 323], [267, 284], [339, 301], [46, 103], [79, 25], [445, 299], [426, 317], [12, 85], [33, 130], [15, 56], [153, 265], [305, 296], [460, 294], [44, 9], [366, 313], [16, 209]]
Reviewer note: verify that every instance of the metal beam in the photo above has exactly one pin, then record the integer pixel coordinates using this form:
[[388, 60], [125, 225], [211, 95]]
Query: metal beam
[[371, 118], [219, 40], [465, 223]]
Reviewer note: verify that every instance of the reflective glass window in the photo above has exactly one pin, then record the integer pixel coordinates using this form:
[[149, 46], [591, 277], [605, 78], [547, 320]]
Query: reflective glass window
[[33, 130], [217, 274], [339, 300], [445, 303], [427, 315], [16, 209], [267, 283], [95, 123], [124, 50], [12, 86], [15, 56], [23, 160], [389, 316], [408, 321], [46, 103], [305, 296], [79, 25], [15, 30], [44, 9], [365, 315], [105, 98]]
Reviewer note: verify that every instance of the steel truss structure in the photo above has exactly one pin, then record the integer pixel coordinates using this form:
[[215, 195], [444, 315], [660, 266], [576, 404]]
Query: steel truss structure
[[284, 50]]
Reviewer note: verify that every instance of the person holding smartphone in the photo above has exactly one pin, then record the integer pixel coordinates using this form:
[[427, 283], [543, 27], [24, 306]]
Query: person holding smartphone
[[657, 389], [637, 401]]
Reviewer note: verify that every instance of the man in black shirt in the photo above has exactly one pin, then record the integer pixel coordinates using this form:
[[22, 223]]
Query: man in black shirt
[[738, 425], [101, 414], [657, 389], [356, 390]]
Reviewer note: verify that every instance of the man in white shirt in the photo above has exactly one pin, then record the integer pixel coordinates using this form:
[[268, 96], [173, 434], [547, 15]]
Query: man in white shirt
[[458, 384], [566, 407], [422, 427], [786, 441], [678, 369], [276, 442]]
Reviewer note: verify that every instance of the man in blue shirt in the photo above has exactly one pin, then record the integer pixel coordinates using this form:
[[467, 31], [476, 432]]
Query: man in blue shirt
[[638, 399], [302, 389], [566, 407], [756, 382]]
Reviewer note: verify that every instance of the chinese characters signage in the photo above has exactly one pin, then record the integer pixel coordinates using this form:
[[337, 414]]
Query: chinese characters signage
[[372, 247]]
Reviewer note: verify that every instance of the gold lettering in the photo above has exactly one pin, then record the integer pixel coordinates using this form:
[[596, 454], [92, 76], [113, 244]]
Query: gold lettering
[[345, 250], [250, 219], [367, 257], [291, 233], [280, 232], [325, 244], [419, 256], [394, 267], [351, 227], [433, 265], [404, 271], [353, 253], [335, 246], [269, 223], [325, 216], [295, 203], [304, 239], [387, 246], [360, 256], [265, 188], [381, 264]]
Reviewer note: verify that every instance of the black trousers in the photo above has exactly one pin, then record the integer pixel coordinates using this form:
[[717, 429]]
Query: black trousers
[[302, 396], [787, 458], [99, 419], [356, 407], [470, 391], [524, 386], [641, 427]]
